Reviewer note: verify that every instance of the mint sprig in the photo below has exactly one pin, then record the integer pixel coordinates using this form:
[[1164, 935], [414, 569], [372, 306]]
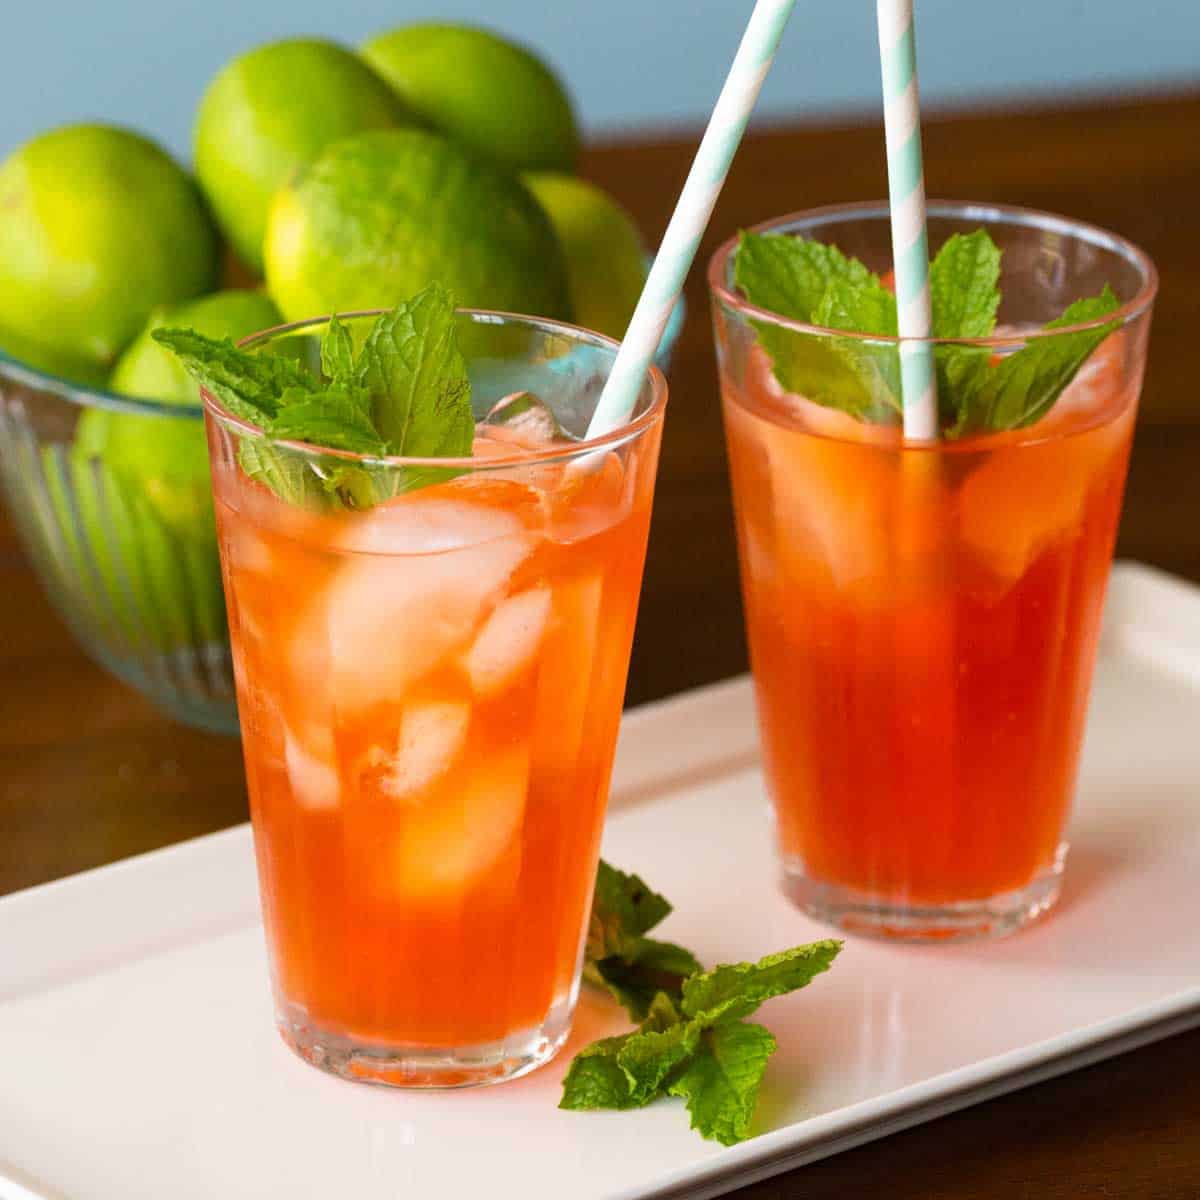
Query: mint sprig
[[815, 284], [406, 393], [619, 957], [693, 1040]]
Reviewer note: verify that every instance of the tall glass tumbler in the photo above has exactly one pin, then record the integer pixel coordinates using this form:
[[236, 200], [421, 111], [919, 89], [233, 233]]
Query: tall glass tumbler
[[923, 618], [430, 678]]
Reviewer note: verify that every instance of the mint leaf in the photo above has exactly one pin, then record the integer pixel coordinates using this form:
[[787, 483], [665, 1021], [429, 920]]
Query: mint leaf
[[330, 418], [337, 353], [413, 371], [647, 969], [1025, 385], [649, 1056], [249, 385], [722, 1078], [287, 473], [691, 1041], [633, 968], [811, 282], [814, 283], [730, 992], [595, 1079], [790, 275], [623, 908], [857, 308], [964, 289]]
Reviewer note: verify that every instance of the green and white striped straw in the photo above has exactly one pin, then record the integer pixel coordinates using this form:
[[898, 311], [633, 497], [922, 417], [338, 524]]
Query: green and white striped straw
[[696, 201], [906, 190]]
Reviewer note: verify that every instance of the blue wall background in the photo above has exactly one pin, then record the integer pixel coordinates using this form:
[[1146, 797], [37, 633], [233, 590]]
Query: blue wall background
[[630, 63]]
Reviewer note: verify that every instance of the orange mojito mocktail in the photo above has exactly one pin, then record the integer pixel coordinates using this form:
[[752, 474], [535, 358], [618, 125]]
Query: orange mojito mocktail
[[430, 690], [923, 620]]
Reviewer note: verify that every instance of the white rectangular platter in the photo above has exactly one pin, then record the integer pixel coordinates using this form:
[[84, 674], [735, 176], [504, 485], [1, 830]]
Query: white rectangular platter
[[138, 1060]]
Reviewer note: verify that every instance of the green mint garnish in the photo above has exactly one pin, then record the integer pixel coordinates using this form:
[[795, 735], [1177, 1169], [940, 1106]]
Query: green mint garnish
[[405, 393], [618, 957], [693, 1040], [816, 284]]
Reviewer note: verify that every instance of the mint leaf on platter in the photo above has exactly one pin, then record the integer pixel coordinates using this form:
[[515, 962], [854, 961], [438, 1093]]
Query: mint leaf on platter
[[722, 1079], [692, 1041], [596, 1080], [735, 991], [861, 378], [618, 956]]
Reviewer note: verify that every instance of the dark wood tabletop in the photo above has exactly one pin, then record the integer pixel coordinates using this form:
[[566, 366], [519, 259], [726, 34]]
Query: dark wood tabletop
[[89, 772]]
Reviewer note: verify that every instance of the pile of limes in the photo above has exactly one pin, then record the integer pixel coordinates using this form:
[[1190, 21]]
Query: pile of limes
[[325, 180]]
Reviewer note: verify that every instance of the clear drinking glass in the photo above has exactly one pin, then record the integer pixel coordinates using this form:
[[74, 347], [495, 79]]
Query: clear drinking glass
[[923, 618], [430, 677]]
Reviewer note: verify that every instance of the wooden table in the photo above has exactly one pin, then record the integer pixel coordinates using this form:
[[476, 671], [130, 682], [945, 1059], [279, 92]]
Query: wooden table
[[90, 773]]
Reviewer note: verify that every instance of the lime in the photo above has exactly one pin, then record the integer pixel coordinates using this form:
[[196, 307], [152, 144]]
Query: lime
[[152, 372], [496, 98], [272, 110], [380, 215], [606, 261], [100, 226]]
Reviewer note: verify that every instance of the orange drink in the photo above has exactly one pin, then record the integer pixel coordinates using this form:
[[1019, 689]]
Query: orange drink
[[430, 689], [923, 618]]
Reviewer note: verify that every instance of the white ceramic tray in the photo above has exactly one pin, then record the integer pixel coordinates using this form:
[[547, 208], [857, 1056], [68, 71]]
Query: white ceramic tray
[[137, 1057]]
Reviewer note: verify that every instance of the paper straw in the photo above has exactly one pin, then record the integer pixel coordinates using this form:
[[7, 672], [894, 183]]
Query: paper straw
[[688, 222], [906, 190]]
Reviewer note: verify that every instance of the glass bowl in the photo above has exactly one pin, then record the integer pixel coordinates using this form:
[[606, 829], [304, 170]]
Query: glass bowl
[[112, 500]]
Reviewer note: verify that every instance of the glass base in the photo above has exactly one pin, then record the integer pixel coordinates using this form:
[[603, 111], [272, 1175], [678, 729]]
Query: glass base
[[403, 1066], [970, 920]]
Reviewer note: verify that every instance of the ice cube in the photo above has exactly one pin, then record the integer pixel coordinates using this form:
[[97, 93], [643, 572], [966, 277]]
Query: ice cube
[[509, 639], [389, 620], [566, 681], [524, 419], [1022, 498], [311, 768], [448, 845], [431, 736], [445, 517], [833, 502]]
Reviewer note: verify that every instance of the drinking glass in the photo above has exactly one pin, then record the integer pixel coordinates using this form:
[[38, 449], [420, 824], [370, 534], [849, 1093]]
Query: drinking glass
[[430, 674], [923, 617]]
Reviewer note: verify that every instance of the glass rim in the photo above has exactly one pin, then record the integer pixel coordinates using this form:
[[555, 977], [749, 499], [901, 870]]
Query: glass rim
[[519, 457], [986, 214], [86, 395]]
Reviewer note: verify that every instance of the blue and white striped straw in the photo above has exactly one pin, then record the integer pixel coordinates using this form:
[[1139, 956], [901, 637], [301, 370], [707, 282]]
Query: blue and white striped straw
[[906, 189], [692, 212]]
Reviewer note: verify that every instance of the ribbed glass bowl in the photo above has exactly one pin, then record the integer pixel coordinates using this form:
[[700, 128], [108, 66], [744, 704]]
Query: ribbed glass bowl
[[126, 550], [125, 546]]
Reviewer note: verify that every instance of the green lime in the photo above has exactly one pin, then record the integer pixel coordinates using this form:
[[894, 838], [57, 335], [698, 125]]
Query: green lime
[[152, 372], [272, 110], [493, 96], [99, 227], [380, 215], [606, 261]]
